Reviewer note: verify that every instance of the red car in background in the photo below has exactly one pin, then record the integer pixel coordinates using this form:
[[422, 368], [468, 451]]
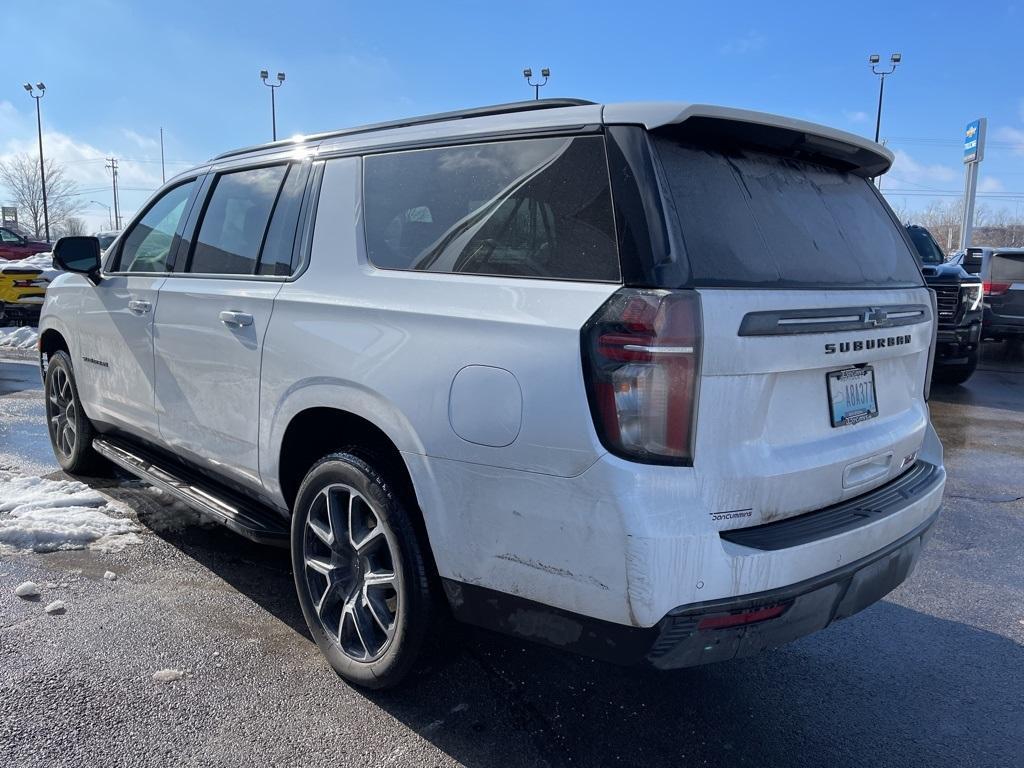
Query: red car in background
[[14, 246]]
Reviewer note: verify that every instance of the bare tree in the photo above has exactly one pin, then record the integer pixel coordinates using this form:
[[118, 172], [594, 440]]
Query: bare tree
[[20, 175], [72, 226]]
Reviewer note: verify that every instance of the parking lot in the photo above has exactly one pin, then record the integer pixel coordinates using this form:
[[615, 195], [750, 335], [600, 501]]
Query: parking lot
[[930, 676]]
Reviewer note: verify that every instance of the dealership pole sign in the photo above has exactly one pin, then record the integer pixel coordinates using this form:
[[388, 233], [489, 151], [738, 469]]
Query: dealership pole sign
[[974, 153]]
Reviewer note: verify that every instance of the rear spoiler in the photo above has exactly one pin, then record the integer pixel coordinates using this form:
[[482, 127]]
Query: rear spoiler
[[784, 135]]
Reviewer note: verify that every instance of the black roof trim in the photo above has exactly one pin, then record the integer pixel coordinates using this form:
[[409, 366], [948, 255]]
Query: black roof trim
[[439, 117]]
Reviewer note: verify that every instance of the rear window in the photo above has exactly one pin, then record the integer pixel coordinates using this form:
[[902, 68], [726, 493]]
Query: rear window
[[926, 246], [754, 219], [1008, 268], [524, 208]]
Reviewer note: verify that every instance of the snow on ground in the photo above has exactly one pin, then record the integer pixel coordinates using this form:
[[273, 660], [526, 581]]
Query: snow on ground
[[41, 515], [24, 337]]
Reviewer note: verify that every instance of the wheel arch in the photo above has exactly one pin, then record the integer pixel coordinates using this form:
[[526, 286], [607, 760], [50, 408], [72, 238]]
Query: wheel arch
[[318, 431], [51, 341]]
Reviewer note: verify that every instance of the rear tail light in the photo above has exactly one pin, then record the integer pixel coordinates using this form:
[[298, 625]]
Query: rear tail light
[[742, 618], [641, 359], [996, 289]]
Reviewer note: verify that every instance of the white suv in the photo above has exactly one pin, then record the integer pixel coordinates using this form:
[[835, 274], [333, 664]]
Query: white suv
[[644, 381]]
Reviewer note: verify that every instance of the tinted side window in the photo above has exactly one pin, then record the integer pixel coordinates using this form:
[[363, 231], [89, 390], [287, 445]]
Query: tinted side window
[[1008, 268], [148, 243], [235, 220], [276, 257], [754, 219], [529, 208]]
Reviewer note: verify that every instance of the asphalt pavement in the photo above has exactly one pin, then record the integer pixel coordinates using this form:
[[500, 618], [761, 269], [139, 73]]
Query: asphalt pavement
[[932, 675]]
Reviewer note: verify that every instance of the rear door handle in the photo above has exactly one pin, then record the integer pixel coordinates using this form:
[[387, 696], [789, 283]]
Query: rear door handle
[[139, 307], [237, 319]]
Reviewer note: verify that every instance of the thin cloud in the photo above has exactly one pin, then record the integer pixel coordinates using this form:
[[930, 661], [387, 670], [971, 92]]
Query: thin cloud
[[751, 42], [146, 143], [856, 116], [990, 184], [1014, 136], [908, 171]]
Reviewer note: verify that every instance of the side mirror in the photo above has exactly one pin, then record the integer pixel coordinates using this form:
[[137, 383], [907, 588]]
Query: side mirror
[[78, 254]]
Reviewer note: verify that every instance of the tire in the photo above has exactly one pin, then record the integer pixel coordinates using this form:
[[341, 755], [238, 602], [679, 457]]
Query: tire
[[371, 628], [69, 428], [958, 374]]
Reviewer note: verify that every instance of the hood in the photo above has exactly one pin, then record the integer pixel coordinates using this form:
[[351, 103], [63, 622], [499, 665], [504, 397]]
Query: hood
[[947, 273]]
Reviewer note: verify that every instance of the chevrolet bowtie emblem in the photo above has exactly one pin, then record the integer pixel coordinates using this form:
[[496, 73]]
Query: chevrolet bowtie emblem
[[875, 316]]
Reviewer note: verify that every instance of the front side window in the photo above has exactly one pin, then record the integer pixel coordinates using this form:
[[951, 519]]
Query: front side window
[[525, 208], [148, 243], [9, 237], [235, 221]]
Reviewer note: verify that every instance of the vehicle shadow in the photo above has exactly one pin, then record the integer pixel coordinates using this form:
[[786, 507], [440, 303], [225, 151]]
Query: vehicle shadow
[[994, 385], [890, 686]]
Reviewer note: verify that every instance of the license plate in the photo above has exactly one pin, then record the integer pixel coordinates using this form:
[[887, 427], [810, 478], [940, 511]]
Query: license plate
[[851, 395]]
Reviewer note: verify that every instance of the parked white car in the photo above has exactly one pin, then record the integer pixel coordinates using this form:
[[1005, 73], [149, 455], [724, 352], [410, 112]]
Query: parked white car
[[644, 381]]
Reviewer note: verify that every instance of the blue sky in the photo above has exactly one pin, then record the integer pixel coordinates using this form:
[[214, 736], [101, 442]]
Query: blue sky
[[117, 71]]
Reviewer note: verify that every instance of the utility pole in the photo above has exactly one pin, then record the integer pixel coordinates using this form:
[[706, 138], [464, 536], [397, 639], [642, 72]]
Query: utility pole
[[163, 172], [112, 167]]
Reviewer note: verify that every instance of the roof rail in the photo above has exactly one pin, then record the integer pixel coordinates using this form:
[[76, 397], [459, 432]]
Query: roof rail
[[438, 117]]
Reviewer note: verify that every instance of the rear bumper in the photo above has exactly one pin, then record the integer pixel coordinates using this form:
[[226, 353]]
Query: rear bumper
[[996, 324], [687, 636], [806, 607]]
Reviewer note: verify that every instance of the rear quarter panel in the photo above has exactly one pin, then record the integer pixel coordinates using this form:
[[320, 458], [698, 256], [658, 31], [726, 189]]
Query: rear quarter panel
[[387, 346]]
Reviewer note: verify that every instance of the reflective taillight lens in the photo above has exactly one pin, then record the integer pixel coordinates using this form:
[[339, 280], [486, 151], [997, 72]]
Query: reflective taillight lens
[[996, 289], [641, 359]]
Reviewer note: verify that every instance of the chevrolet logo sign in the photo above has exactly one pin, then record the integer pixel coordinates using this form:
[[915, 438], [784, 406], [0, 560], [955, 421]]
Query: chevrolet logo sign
[[971, 131], [875, 316]]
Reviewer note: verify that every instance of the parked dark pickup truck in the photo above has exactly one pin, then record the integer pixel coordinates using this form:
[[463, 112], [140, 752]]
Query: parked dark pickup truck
[[958, 294]]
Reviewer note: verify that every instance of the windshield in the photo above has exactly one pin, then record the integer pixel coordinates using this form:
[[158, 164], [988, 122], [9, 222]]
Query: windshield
[[926, 246], [753, 219], [105, 241]]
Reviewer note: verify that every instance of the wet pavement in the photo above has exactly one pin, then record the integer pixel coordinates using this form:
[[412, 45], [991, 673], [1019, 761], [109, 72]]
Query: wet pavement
[[932, 675]]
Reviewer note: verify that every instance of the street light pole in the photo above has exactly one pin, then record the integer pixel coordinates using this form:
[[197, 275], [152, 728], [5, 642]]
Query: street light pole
[[528, 73], [264, 74], [42, 165], [110, 215], [873, 59]]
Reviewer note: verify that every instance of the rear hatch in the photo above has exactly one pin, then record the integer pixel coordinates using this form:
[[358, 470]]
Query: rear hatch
[[817, 328], [1004, 291]]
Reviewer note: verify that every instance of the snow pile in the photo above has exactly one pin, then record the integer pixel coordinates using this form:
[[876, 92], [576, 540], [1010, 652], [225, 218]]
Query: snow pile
[[167, 675], [42, 515], [43, 261], [27, 589], [24, 337]]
